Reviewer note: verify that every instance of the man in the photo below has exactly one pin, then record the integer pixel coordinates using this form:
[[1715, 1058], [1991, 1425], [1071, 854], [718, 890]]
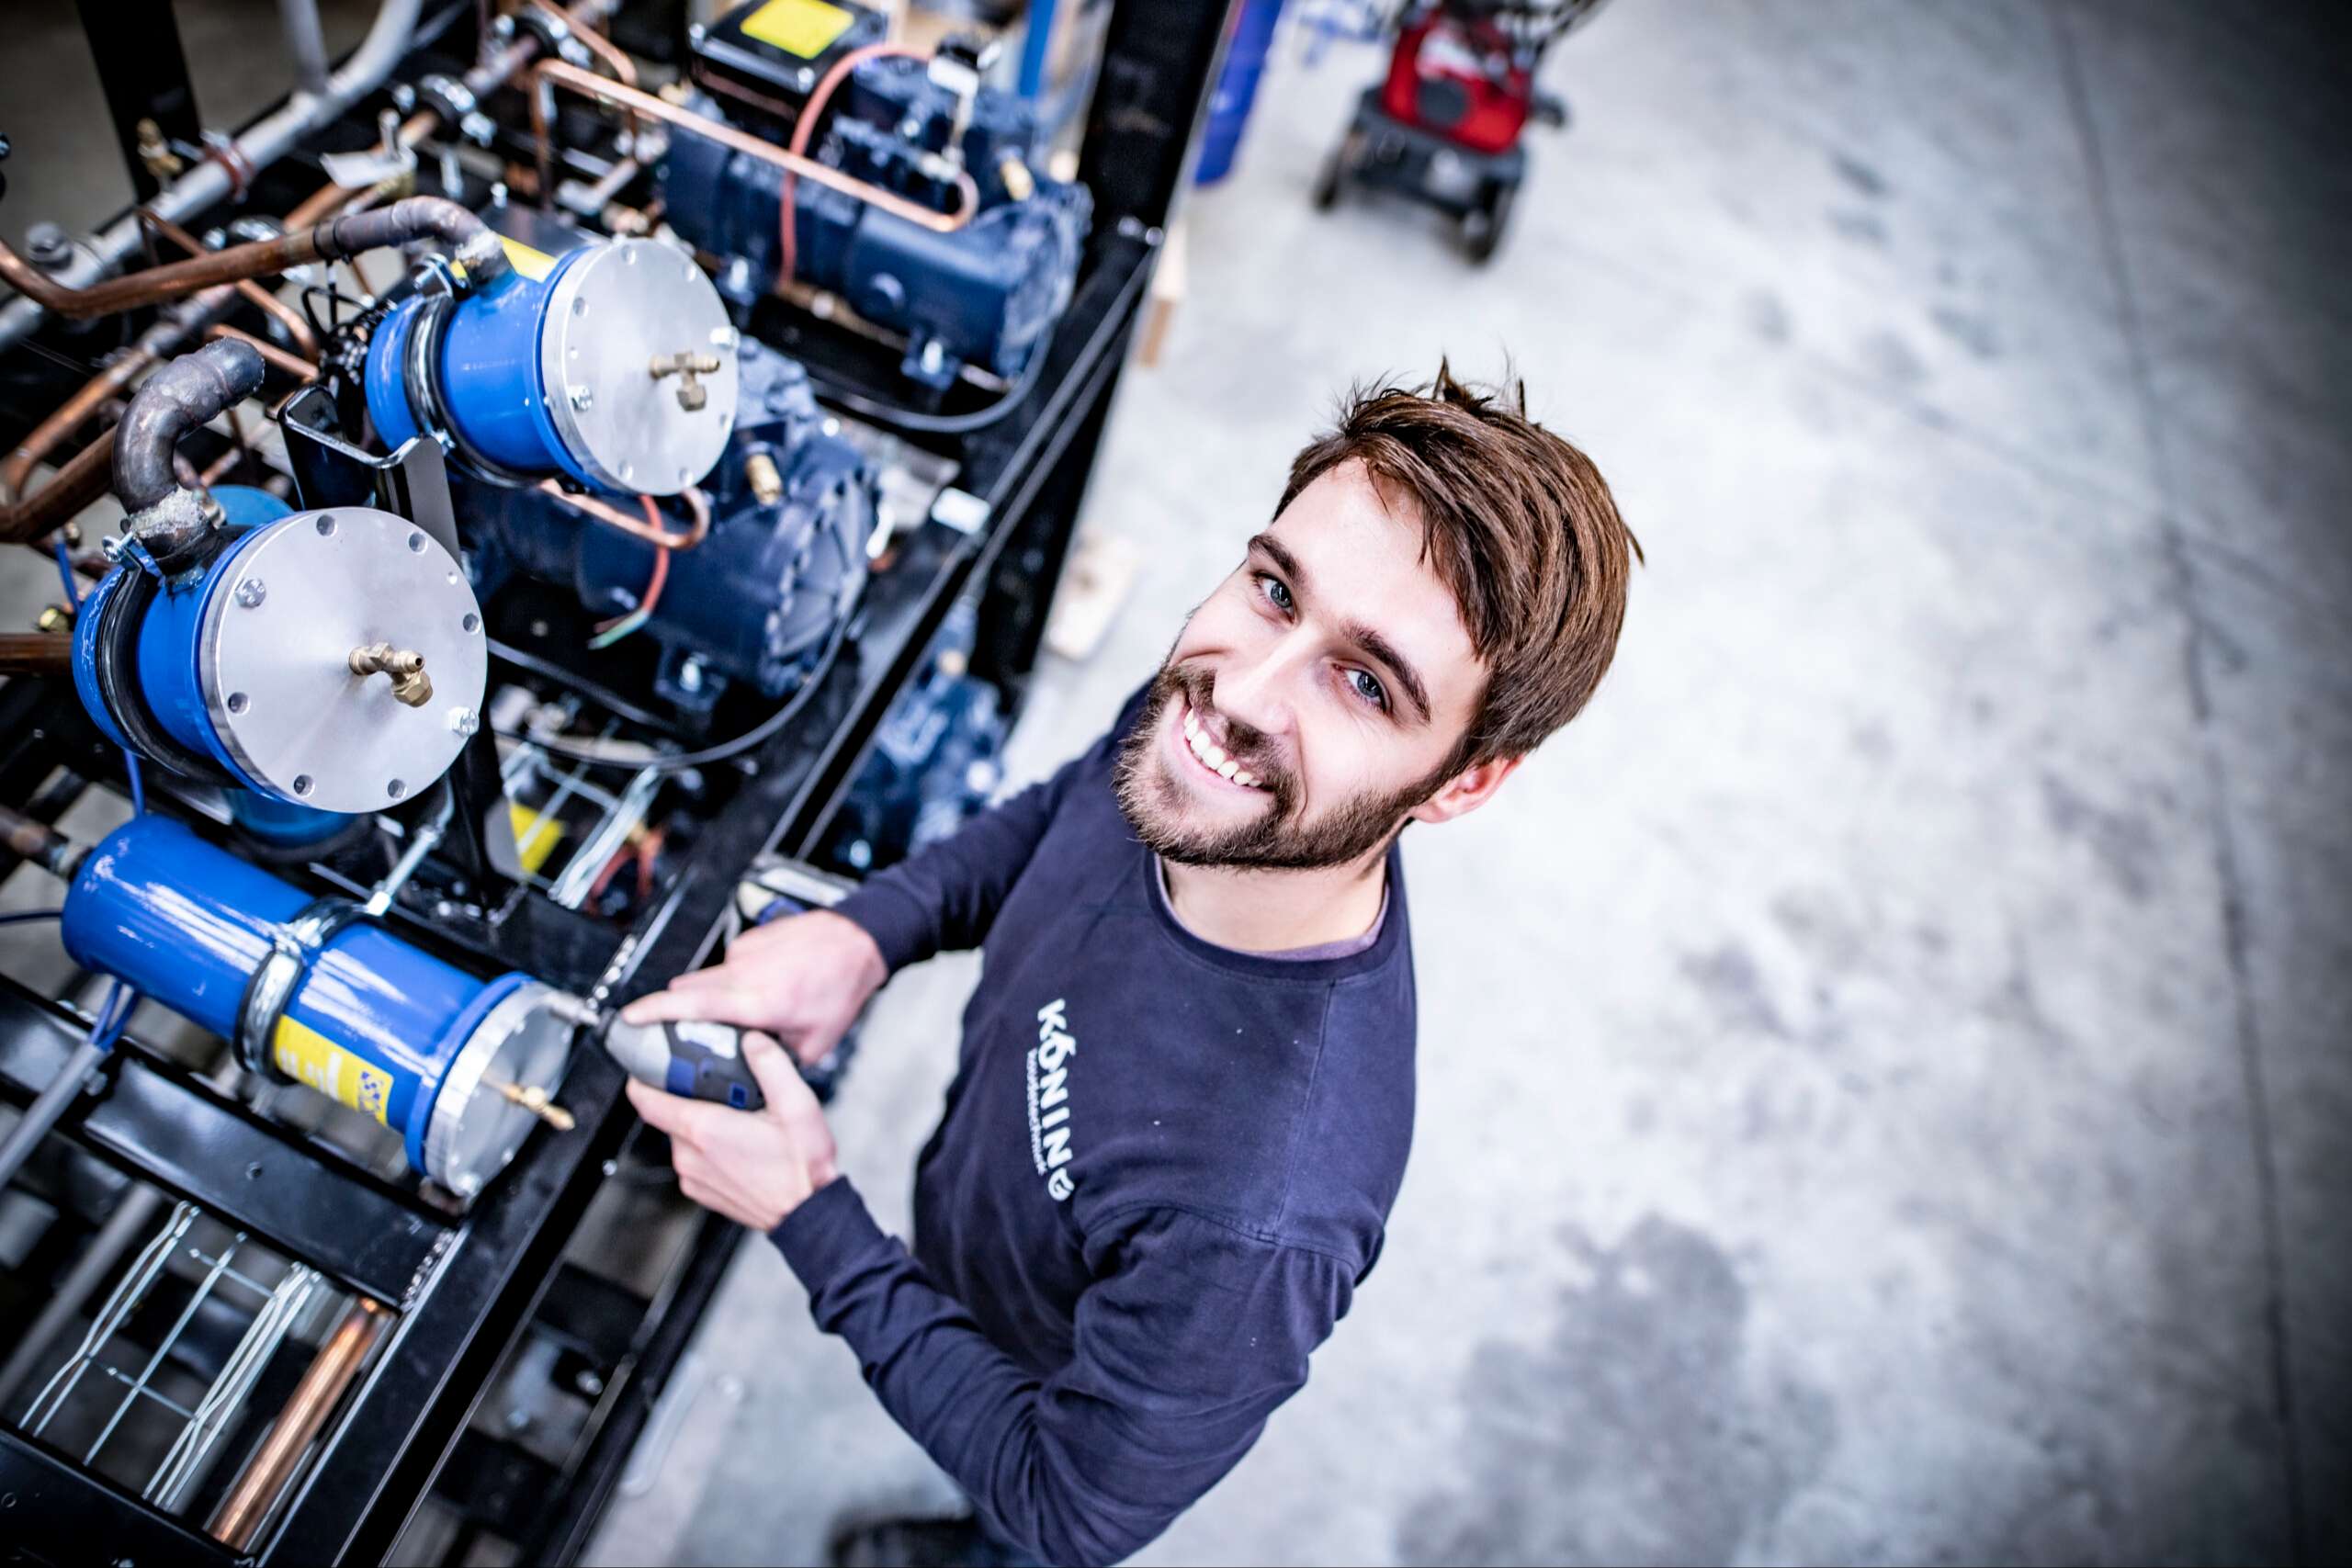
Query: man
[[1185, 1090]]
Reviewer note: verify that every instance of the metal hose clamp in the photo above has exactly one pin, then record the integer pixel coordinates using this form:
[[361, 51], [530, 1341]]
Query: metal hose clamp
[[292, 946]]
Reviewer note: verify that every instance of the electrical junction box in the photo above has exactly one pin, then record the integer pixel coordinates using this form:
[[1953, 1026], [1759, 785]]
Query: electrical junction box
[[764, 58]]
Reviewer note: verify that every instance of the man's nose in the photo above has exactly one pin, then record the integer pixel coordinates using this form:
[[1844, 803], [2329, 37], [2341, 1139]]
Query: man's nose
[[1257, 693]]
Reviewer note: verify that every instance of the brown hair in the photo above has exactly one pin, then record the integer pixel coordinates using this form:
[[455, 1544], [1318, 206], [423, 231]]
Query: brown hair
[[1517, 523]]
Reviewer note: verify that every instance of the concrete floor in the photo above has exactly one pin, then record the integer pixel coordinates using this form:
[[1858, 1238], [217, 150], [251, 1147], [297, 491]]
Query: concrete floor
[[1885, 1087], [1885, 1083]]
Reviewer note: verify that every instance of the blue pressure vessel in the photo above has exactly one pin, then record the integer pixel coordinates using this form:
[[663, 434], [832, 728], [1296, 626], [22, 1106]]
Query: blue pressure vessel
[[368, 1020], [239, 671], [612, 365]]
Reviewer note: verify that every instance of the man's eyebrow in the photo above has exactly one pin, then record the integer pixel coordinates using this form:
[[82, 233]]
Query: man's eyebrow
[[1274, 550], [1375, 646], [1382, 652]]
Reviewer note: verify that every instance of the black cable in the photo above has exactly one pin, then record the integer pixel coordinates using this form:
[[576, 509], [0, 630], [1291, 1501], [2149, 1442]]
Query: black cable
[[938, 424], [758, 735], [603, 696]]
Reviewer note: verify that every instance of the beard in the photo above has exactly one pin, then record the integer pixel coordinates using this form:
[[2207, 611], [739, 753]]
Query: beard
[[1277, 838]]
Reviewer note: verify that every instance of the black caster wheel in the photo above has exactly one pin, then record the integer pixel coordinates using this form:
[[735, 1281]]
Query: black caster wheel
[[1482, 230]]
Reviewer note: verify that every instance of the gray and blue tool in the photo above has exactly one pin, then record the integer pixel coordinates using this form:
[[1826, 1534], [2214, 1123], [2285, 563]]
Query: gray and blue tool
[[704, 1060]]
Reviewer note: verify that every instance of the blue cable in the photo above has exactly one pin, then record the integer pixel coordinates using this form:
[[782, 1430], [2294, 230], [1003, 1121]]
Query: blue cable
[[18, 917], [74, 602], [106, 1027]]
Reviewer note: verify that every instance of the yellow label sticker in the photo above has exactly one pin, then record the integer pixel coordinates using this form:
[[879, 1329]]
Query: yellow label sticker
[[311, 1058], [533, 264], [804, 28], [536, 836]]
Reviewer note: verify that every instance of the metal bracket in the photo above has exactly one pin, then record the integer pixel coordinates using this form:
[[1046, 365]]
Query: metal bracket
[[330, 471], [292, 946]]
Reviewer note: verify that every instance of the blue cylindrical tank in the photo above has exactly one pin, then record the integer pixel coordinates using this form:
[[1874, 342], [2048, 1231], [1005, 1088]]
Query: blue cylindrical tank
[[1236, 88], [611, 365], [372, 1023]]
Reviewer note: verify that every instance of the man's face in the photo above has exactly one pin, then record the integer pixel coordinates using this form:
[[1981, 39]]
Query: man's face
[[1314, 702]]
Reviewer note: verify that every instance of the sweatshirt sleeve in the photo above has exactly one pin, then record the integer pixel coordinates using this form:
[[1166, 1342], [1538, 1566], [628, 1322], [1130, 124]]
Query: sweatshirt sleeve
[[1189, 1337], [944, 898]]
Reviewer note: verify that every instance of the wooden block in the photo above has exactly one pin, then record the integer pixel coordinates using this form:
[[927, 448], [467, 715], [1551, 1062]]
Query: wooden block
[[1101, 572]]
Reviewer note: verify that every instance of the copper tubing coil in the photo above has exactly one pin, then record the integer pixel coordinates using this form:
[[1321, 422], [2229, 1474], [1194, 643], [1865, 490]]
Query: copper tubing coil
[[265, 1478], [550, 73], [306, 342], [613, 517], [294, 364]]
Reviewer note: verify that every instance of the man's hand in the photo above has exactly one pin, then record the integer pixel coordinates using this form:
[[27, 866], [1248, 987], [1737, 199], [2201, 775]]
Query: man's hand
[[754, 1167], [802, 979]]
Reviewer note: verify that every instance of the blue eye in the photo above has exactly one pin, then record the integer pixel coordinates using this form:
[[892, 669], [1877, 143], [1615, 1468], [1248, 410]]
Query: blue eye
[[1277, 592], [1366, 684]]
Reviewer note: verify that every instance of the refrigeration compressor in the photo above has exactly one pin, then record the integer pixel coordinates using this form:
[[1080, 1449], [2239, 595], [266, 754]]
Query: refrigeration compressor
[[309, 992], [790, 508], [986, 293], [317, 662], [612, 365]]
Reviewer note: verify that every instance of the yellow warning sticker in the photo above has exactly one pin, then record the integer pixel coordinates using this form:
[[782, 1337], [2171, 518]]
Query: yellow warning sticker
[[536, 836], [804, 28], [533, 264], [311, 1058]]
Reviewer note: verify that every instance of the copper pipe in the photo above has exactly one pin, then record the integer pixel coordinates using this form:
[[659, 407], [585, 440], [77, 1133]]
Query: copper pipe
[[588, 84], [35, 653], [81, 482], [306, 342], [158, 284], [293, 365], [616, 59], [613, 517], [263, 1480], [16, 475]]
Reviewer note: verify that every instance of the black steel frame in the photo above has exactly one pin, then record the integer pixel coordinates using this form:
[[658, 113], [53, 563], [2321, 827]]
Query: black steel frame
[[468, 1288]]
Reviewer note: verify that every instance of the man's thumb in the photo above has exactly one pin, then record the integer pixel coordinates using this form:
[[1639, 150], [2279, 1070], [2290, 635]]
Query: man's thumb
[[779, 1080]]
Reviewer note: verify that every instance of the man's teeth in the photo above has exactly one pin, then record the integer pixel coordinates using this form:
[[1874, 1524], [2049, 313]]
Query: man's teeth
[[1212, 756]]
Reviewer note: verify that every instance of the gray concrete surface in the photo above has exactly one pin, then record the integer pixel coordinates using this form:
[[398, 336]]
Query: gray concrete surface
[[1883, 1092]]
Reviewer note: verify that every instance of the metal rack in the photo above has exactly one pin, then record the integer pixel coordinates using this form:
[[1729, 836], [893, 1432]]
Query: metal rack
[[450, 1304]]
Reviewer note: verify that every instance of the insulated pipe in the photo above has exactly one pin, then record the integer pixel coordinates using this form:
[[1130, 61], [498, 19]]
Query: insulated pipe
[[262, 143], [308, 43], [192, 390], [270, 139]]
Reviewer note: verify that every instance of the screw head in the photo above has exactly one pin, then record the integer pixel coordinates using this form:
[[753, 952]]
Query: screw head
[[252, 592], [48, 247], [583, 398], [465, 721], [111, 546]]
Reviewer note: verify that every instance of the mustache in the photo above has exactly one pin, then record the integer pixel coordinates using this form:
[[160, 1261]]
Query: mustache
[[1248, 747]]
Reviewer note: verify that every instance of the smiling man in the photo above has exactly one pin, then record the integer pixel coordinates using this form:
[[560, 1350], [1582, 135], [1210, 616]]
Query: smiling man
[[1185, 1091]]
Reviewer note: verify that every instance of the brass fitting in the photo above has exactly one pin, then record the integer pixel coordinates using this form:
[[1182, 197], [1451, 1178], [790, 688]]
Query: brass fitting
[[687, 367], [535, 1101], [54, 620], [156, 152], [1019, 183], [767, 485], [406, 667]]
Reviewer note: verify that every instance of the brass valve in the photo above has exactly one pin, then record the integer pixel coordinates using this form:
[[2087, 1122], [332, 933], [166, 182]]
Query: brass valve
[[535, 1101], [156, 152], [767, 485], [410, 682], [687, 368]]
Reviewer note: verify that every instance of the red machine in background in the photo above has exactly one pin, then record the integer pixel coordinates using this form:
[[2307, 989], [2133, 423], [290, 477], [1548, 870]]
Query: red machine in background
[[1445, 126]]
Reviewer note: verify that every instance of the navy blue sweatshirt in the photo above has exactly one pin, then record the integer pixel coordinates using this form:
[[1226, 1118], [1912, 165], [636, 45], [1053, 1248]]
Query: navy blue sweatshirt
[[1163, 1169]]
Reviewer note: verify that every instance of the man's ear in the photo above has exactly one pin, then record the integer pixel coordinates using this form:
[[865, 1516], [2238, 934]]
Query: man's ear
[[1466, 791]]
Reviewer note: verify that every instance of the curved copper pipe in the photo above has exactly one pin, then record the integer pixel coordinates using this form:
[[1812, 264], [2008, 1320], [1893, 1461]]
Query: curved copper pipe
[[306, 342], [294, 364], [81, 482], [613, 517], [263, 1479], [35, 653], [15, 476], [615, 59], [588, 84]]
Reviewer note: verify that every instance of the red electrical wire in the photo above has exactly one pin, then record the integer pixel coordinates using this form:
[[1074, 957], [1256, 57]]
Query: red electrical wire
[[804, 130]]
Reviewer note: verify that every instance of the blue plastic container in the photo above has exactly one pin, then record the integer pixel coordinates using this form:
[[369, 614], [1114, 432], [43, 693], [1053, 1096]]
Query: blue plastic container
[[1236, 88]]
